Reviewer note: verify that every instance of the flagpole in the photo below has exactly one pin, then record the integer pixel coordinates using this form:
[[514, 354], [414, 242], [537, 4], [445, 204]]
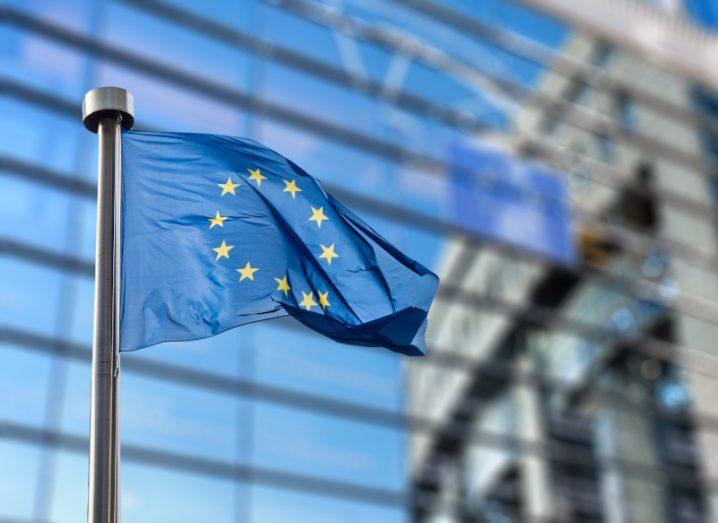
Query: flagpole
[[106, 111]]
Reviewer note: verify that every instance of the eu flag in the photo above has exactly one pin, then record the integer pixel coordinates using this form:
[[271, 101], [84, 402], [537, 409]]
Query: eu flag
[[218, 232]]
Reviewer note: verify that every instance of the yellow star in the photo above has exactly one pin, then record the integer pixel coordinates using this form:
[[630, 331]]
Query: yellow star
[[307, 300], [256, 175], [283, 285], [223, 250], [217, 220], [291, 187], [328, 253], [318, 216], [228, 187], [324, 299], [247, 272]]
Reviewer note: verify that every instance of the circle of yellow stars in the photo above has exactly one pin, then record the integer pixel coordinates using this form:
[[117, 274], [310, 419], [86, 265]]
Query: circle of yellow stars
[[247, 272]]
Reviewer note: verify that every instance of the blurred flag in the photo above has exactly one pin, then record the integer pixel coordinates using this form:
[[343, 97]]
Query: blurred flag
[[521, 203], [218, 232]]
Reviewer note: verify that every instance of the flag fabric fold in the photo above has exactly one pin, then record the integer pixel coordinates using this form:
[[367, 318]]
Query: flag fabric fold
[[218, 232]]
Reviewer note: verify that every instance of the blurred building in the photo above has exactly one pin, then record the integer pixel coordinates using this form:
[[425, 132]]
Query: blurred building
[[561, 410], [570, 376]]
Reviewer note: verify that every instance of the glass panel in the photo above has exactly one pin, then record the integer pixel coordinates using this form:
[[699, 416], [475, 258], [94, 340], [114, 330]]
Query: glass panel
[[34, 214], [23, 385], [328, 446], [29, 296], [279, 506], [17, 496], [151, 494]]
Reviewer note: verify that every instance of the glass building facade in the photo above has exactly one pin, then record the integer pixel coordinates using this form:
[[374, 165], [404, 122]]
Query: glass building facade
[[528, 356]]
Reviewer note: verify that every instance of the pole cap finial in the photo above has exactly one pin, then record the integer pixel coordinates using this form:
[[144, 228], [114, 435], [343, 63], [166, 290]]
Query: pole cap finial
[[108, 101]]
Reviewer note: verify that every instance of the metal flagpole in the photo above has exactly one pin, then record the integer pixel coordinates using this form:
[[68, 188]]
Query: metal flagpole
[[105, 111]]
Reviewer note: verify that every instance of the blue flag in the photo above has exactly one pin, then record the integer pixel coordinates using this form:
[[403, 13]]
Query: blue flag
[[218, 232]]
